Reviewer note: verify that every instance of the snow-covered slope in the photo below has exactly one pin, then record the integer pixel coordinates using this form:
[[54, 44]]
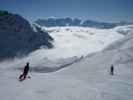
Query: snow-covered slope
[[94, 70], [69, 43], [87, 79]]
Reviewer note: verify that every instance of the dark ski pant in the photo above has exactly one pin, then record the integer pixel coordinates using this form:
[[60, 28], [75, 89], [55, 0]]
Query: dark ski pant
[[23, 76], [112, 72]]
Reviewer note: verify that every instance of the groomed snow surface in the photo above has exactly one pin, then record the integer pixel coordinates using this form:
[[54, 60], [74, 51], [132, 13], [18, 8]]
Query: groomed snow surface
[[86, 79]]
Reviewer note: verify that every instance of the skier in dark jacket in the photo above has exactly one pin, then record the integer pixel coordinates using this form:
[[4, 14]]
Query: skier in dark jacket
[[25, 72], [112, 70]]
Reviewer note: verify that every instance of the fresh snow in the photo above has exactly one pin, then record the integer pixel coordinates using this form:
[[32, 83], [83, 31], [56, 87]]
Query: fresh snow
[[86, 79]]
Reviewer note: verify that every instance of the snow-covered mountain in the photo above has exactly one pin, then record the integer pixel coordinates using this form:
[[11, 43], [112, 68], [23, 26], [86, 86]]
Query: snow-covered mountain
[[86, 79], [70, 45], [76, 68], [17, 36], [68, 21]]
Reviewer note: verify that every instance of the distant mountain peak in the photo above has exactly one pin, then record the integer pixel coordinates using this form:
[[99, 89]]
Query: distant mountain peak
[[68, 21]]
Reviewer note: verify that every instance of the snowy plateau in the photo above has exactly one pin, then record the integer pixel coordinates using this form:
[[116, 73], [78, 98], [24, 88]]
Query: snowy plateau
[[77, 68]]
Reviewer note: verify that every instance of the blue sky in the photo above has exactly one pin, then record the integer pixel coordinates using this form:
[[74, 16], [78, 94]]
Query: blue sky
[[101, 10]]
